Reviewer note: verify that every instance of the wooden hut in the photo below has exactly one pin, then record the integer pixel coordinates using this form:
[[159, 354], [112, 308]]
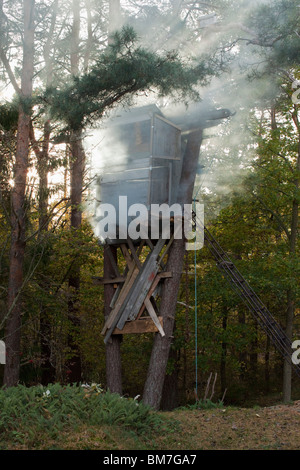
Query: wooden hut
[[140, 159]]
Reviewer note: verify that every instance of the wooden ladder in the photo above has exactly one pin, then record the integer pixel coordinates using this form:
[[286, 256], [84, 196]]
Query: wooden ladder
[[255, 305]]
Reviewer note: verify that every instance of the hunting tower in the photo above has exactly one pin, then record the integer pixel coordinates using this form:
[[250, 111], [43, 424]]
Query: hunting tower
[[141, 159]]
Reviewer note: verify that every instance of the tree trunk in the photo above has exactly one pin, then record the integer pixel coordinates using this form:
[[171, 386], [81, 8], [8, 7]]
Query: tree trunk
[[169, 399], [267, 365], [253, 352], [189, 167], [223, 377], [113, 347], [43, 180], [160, 352], [18, 214], [242, 354], [48, 370], [176, 6], [77, 167], [113, 354], [114, 21], [287, 368]]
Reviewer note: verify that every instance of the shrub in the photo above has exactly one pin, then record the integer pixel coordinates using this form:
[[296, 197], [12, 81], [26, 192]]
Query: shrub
[[27, 412]]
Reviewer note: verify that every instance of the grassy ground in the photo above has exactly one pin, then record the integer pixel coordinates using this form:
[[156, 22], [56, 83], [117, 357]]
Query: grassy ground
[[268, 428]]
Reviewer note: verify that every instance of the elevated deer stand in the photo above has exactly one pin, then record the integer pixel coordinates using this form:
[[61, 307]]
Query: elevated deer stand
[[134, 306], [147, 150]]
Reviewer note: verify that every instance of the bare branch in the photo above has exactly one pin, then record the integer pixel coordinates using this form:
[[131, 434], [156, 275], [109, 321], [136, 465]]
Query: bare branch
[[9, 71], [33, 140], [30, 273], [213, 387], [51, 214], [207, 386], [276, 216]]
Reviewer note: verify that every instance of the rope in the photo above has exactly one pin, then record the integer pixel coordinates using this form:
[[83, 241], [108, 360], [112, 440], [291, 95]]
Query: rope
[[195, 288], [196, 313]]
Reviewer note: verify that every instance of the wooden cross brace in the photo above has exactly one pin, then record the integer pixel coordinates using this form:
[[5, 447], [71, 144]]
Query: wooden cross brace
[[135, 289]]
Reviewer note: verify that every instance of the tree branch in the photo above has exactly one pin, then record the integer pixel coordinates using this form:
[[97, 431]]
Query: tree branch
[[276, 216], [48, 218], [33, 141], [9, 71], [254, 40]]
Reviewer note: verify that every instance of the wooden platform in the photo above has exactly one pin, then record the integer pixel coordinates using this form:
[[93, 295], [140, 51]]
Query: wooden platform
[[141, 325], [136, 289]]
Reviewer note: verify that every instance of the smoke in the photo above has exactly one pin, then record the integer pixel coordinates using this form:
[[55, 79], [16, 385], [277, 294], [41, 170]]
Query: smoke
[[221, 38], [105, 154]]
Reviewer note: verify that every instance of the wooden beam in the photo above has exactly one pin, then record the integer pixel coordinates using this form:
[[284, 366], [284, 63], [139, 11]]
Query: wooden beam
[[102, 280], [119, 303], [127, 273], [133, 253], [164, 274], [165, 251], [154, 317], [150, 244], [161, 275], [128, 299], [116, 280], [141, 287], [143, 325], [126, 255], [112, 260]]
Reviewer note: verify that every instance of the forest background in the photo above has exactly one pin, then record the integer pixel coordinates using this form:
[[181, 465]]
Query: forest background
[[248, 180]]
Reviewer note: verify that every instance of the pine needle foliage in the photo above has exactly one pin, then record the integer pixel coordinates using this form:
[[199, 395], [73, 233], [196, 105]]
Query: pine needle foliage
[[9, 116], [276, 24], [119, 73]]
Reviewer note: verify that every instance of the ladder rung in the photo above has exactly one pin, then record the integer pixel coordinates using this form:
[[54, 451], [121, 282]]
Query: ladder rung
[[259, 311]]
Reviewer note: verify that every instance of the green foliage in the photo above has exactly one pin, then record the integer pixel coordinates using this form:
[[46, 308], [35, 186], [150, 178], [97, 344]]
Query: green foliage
[[29, 412], [120, 73], [255, 227], [250, 225], [277, 26], [47, 293], [9, 116]]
